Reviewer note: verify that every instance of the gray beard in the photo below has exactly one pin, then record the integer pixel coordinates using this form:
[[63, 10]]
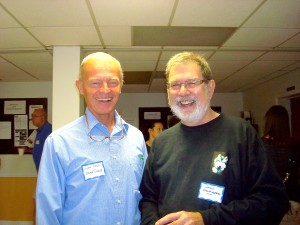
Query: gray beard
[[196, 115]]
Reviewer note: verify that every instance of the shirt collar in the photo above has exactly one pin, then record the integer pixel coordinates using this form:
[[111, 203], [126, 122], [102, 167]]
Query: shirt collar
[[94, 122]]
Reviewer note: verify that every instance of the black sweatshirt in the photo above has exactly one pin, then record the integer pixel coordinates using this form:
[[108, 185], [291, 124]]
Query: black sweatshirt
[[226, 152]]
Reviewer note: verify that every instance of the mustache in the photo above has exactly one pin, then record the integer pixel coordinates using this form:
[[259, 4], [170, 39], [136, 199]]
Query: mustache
[[180, 99]]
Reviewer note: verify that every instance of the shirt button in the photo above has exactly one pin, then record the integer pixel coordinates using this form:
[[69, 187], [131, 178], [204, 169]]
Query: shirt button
[[117, 179], [118, 223], [114, 157], [119, 201]]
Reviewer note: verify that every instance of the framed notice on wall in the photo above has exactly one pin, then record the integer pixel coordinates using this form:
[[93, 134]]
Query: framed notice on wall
[[15, 122]]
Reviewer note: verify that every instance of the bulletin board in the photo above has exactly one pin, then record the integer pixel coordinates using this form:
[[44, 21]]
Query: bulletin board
[[15, 121]]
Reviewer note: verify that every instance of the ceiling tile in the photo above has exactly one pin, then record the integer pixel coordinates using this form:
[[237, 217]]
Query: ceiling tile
[[236, 55], [50, 13], [293, 66], [227, 65], [67, 36], [111, 36], [259, 68], [294, 42], [276, 14], [17, 38], [133, 12], [260, 37], [6, 21], [28, 57], [216, 13], [283, 56]]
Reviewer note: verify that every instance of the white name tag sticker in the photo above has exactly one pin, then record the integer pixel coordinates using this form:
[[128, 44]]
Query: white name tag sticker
[[93, 170], [211, 192]]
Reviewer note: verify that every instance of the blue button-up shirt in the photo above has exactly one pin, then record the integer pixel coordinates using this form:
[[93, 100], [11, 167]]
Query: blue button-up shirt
[[81, 181]]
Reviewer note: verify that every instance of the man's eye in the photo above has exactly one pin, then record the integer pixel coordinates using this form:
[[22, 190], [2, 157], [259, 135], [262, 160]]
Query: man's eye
[[96, 83], [113, 83], [175, 85], [192, 82]]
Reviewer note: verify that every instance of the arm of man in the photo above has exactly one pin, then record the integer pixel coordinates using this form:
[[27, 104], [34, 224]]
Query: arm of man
[[50, 187], [148, 204]]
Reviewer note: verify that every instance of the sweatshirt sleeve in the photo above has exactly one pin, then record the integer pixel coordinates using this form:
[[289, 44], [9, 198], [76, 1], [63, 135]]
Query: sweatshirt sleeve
[[149, 203]]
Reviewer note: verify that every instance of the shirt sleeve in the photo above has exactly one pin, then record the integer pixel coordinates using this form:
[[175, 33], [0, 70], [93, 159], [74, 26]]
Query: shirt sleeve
[[50, 187]]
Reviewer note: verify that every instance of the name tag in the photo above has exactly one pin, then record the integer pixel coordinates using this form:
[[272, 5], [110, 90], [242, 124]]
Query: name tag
[[93, 170], [211, 192]]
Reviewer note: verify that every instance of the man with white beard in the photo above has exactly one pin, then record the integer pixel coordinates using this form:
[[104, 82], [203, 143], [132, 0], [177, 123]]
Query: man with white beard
[[210, 168]]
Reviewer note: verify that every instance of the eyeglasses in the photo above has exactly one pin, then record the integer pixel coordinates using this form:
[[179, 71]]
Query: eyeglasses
[[102, 138], [188, 84]]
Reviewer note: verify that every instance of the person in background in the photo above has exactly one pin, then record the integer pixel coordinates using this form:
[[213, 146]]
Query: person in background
[[285, 154], [155, 128], [173, 120], [44, 129], [91, 168], [210, 168]]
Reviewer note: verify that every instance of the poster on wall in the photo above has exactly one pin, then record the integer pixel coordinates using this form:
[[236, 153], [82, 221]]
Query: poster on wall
[[152, 115], [14, 107], [5, 130], [20, 130]]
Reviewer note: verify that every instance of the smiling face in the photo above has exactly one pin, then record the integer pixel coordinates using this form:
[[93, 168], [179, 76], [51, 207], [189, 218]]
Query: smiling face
[[100, 84], [190, 104]]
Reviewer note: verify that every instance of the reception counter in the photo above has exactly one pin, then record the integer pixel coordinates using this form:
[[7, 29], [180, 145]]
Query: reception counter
[[17, 185]]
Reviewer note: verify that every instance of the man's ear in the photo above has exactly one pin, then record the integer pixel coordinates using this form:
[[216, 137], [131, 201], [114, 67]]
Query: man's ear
[[122, 83], [79, 86], [211, 87]]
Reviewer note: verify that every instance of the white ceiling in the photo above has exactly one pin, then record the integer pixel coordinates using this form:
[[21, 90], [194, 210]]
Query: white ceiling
[[262, 40]]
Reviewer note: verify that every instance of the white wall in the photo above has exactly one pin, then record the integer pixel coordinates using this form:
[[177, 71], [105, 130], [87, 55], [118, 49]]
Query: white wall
[[259, 99]]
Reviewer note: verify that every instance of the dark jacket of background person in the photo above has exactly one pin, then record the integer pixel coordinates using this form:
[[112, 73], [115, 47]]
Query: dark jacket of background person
[[283, 149]]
